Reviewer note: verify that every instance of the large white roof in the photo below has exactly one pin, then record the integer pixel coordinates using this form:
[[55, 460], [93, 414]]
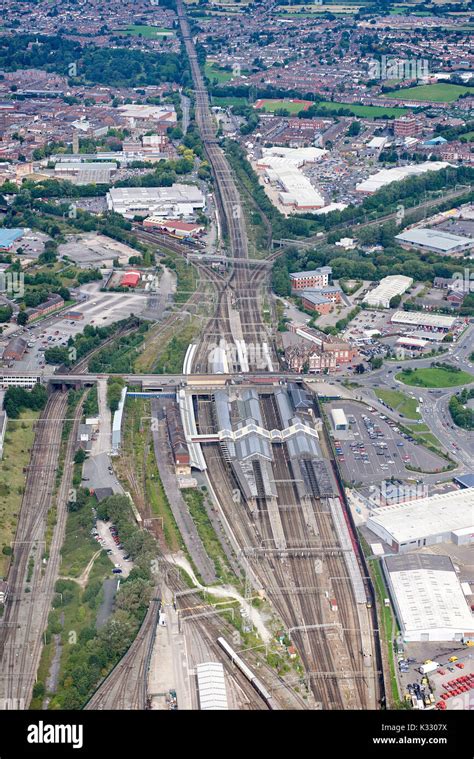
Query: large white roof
[[413, 520], [420, 318], [211, 684], [386, 176], [283, 166], [388, 287], [428, 594], [434, 238]]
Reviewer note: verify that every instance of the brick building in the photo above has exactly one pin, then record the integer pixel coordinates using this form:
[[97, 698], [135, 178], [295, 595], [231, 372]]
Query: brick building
[[305, 280], [177, 439]]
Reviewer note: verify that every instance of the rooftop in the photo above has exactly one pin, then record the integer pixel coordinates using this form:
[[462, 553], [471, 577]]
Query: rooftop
[[428, 593], [440, 513], [434, 238]]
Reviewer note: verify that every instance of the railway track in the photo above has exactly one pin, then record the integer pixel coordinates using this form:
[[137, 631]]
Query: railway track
[[26, 613], [295, 585]]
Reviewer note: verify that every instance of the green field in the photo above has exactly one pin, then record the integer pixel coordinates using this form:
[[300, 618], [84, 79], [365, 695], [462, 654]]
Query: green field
[[19, 438], [400, 402], [435, 377], [227, 102], [436, 93], [149, 32], [212, 71], [364, 111]]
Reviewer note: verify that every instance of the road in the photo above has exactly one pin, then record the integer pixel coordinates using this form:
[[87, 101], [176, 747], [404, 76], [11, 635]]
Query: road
[[434, 408]]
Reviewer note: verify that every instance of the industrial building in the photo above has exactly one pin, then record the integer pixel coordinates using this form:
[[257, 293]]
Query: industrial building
[[8, 237], [130, 279], [388, 288], [441, 518], [428, 321], [173, 227], [339, 419], [387, 176], [81, 173], [282, 167], [211, 686], [138, 114], [428, 598], [174, 201], [434, 240]]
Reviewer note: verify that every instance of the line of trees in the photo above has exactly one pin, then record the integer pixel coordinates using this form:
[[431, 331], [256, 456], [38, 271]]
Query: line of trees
[[17, 399]]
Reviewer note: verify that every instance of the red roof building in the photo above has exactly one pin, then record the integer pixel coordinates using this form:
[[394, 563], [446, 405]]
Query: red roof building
[[130, 279]]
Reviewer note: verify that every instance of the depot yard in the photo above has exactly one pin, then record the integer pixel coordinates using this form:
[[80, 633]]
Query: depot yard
[[100, 310], [95, 250], [434, 377], [448, 672], [359, 460]]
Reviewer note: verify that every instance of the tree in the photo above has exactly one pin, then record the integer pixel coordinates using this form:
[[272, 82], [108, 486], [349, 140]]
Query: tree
[[354, 129], [376, 362], [360, 369], [80, 456], [22, 318]]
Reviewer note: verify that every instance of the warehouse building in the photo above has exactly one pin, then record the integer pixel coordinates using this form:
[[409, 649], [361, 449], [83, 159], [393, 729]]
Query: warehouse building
[[282, 167], [388, 288], [428, 321], [428, 598], [81, 173], [8, 237], [434, 240], [441, 518], [174, 201], [387, 176]]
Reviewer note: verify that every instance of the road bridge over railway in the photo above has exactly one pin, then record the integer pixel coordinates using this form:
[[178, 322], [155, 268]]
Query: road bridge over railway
[[149, 382]]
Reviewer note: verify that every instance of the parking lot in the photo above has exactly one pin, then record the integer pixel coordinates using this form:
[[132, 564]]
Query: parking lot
[[374, 449], [116, 555], [452, 677], [99, 310]]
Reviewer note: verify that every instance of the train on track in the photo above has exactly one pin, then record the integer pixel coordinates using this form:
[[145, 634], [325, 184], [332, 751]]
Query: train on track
[[247, 673]]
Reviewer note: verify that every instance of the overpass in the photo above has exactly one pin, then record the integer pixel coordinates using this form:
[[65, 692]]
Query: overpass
[[234, 262], [148, 382]]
